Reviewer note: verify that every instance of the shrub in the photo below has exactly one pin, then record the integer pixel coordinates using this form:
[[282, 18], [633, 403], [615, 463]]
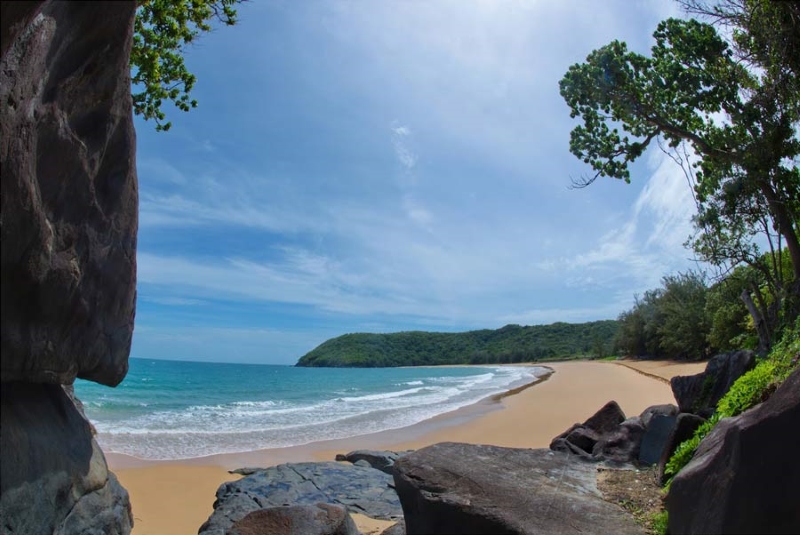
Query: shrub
[[748, 391]]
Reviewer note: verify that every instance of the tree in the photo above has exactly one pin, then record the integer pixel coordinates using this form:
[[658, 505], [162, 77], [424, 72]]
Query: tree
[[162, 30], [740, 122]]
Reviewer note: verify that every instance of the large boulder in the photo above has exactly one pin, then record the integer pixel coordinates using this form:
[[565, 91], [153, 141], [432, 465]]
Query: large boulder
[[467, 488], [360, 489], [53, 475], [68, 230], [318, 519], [607, 436], [745, 475], [685, 426], [379, 459], [622, 444], [699, 394], [580, 439], [69, 192]]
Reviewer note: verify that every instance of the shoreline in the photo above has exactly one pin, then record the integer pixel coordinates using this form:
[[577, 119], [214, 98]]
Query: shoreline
[[176, 496], [300, 452]]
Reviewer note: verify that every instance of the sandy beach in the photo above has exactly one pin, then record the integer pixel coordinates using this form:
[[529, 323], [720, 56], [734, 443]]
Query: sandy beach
[[176, 497]]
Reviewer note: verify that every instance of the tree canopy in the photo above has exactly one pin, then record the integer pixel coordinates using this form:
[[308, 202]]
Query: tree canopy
[[509, 344], [162, 30], [732, 107]]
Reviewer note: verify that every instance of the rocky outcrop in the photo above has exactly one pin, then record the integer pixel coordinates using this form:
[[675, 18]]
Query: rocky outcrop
[[68, 227], [609, 436], [69, 194], [54, 475], [466, 488], [318, 519], [744, 476], [362, 490], [379, 459], [685, 426], [699, 394]]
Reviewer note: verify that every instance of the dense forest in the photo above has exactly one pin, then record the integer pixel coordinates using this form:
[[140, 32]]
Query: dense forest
[[509, 344], [689, 317]]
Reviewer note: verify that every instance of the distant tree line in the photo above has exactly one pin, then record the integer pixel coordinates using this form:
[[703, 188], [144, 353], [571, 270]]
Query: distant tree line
[[686, 318], [507, 345]]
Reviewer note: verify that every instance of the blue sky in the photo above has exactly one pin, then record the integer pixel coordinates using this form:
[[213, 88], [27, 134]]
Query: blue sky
[[382, 166]]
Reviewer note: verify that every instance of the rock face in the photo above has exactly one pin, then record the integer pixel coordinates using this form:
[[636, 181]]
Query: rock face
[[68, 226], [54, 476], [380, 460], [69, 193], [466, 488], [744, 476], [685, 426], [699, 394], [319, 519], [609, 436], [361, 489]]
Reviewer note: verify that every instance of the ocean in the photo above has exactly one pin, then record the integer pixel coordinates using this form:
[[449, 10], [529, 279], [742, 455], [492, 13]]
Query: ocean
[[177, 410]]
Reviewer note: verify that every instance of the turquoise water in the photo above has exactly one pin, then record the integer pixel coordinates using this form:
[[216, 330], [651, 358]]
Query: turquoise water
[[175, 410]]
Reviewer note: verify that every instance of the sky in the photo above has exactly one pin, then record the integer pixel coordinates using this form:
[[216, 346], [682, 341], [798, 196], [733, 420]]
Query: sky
[[383, 166]]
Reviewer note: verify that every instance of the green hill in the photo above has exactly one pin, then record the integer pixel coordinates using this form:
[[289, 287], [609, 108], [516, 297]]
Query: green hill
[[509, 344]]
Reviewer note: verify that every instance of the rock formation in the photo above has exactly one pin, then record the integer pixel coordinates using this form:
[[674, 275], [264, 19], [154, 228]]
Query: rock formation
[[69, 222], [466, 488], [609, 436], [699, 394], [744, 477], [361, 489], [318, 519], [380, 460]]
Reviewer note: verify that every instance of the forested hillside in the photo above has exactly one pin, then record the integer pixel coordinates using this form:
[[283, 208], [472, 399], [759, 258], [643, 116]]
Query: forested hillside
[[509, 344]]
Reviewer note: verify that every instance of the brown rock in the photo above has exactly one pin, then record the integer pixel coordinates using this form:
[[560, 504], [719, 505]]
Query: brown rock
[[53, 475], [468, 489], [685, 426], [745, 475], [699, 394], [319, 519], [69, 193]]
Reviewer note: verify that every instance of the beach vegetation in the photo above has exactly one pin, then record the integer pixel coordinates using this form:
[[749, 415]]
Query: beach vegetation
[[749, 390], [512, 344], [162, 31], [725, 106]]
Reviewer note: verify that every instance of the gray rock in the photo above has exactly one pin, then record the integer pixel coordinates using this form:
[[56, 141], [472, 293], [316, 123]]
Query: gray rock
[[246, 471], [581, 439], [621, 445], [466, 488], [363, 463], [53, 475], [319, 519], [745, 475], [380, 460], [606, 419], [655, 438], [699, 394], [398, 528], [657, 410], [685, 426], [362, 490], [69, 192]]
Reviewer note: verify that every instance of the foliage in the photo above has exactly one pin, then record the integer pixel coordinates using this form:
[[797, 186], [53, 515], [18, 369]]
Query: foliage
[[509, 344], [659, 522], [749, 390], [668, 322], [734, 119], [162, 30]]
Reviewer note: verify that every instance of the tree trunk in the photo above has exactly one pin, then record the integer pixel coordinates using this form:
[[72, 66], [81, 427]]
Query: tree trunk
[[759, 321]]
